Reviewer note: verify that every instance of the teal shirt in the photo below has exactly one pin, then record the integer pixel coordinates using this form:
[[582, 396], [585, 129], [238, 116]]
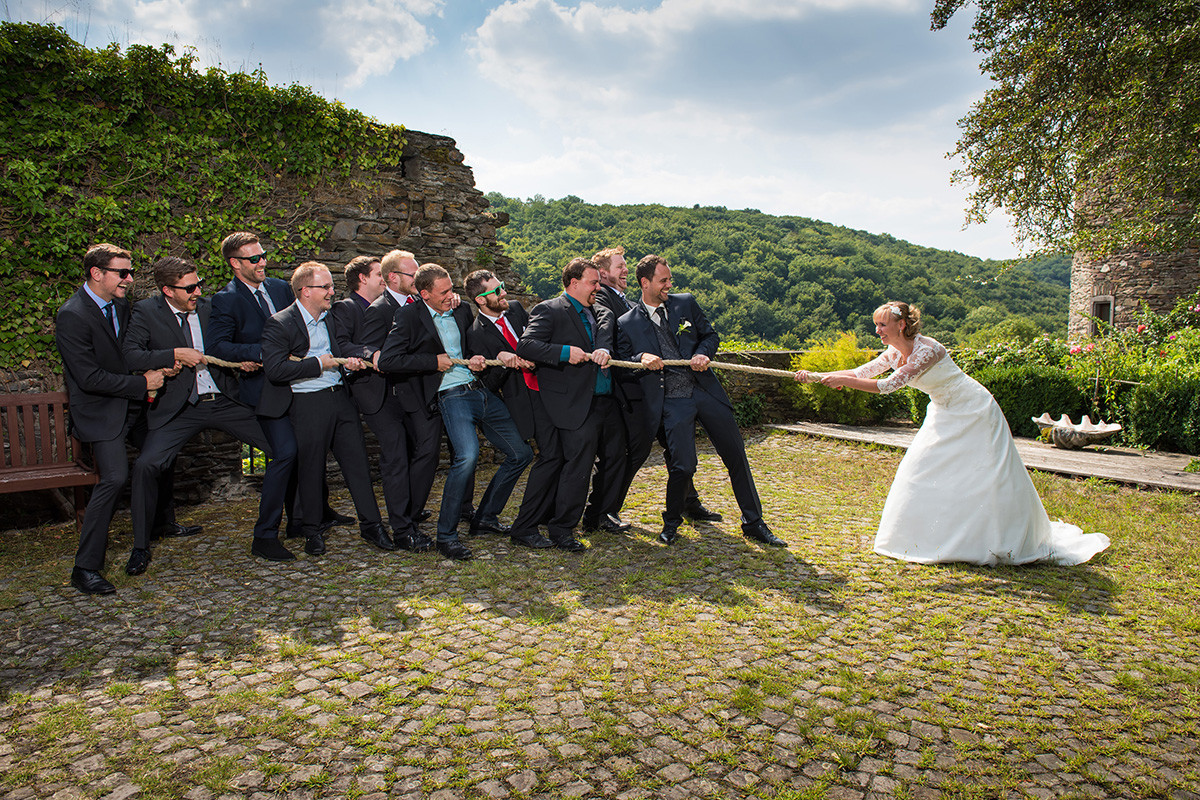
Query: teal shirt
[[447, 329], [603, 379]]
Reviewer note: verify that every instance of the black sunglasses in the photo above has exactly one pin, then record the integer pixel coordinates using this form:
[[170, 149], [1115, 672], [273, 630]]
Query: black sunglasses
[[253, 259], [191, 287], [123, 273]]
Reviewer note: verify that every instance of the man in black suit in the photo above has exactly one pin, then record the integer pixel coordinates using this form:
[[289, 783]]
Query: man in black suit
[[105, 400], [311, 391], [361, 323], [239, 312], [171, 330], [494, 335], [614, 277], [421, 344], [672, 326], [571, 341]]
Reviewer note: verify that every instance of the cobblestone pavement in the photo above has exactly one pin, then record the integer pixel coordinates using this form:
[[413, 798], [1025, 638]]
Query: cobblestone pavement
[[714, 668]]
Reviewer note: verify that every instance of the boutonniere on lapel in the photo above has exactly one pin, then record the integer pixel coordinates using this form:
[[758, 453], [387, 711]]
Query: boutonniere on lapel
[[683, 326]]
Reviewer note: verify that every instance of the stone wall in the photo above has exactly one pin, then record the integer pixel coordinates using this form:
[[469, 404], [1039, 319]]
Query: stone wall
[[1121, 282]]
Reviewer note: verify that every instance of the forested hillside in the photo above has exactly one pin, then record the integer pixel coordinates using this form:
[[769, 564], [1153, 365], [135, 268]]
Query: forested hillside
[[785, 280]]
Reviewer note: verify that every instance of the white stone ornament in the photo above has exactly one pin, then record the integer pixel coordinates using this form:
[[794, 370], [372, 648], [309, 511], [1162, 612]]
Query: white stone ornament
[[1072, 436]]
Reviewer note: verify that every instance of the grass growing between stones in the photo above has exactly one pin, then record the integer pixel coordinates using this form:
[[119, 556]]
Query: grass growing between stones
[[710, 668]]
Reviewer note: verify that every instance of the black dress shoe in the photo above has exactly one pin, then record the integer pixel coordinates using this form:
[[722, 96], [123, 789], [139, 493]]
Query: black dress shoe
[[414, 541], [89, 581], [173, 530], [759, 532], [335, 518], [373, 533], [532, 539], [478, 528], [139, 559], [423, 515], [455, 550], [669, 535], [314, 545], [699, 513], [569, 543], [610, 523], [271, 550]]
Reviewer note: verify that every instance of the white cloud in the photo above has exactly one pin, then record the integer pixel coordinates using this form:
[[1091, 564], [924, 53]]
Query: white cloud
[[375, 33]]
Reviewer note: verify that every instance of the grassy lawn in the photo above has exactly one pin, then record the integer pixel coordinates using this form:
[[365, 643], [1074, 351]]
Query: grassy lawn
[[710, 668]]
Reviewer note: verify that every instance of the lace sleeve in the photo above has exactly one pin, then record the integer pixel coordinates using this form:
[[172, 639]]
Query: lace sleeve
[[878, 365], [926, 352]]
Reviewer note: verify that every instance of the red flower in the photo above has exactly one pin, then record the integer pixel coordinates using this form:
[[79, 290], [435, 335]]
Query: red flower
[[1141, 328]]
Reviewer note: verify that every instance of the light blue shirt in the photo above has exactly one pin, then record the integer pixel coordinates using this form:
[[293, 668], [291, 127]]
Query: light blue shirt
[[100, 301], [447, 328], [318, 345]]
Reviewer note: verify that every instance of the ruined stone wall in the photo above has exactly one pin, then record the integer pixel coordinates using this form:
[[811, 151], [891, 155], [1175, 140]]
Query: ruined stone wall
[[1124, 280]]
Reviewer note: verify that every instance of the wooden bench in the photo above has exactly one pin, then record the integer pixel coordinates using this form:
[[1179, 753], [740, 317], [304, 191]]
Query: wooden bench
[[38, 453]]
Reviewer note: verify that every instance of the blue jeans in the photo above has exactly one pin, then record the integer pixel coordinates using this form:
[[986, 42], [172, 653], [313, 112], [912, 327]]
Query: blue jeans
[[463, 409]]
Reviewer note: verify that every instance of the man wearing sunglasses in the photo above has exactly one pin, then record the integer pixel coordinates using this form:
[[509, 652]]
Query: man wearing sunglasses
[[497, 329], [105, 399], [419, 349], [239, 312], [171, 330]]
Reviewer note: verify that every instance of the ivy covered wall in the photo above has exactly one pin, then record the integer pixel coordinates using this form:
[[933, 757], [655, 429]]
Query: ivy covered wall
[[141, 149]]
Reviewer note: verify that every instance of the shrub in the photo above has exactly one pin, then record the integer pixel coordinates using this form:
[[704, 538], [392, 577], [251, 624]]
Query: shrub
[[814, 401], [1164, 413], [1028, 391]]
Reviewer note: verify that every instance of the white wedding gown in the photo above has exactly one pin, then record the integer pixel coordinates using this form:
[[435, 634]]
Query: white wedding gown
[[961, 492]]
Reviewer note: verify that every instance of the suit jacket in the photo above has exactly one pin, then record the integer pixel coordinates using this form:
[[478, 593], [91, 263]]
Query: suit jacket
[[236, 326], [485, 339], [350, 321], [566, 388], [636, 335], [626, 384], [154, 333], [410, 354], [285, 335], [99, 385]]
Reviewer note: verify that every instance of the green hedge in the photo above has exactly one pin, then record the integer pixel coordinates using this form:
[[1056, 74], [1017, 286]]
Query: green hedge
[[1164, 414], [1028, 391]]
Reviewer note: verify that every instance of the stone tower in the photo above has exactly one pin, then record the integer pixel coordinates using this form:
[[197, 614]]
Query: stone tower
[[1113, 289]]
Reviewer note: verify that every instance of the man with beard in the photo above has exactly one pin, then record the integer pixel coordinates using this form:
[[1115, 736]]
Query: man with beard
[[672, 326], [571, 339]]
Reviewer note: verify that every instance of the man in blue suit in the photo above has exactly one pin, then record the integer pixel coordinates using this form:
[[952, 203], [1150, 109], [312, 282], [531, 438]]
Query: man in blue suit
[[239, 312], [672, 326]]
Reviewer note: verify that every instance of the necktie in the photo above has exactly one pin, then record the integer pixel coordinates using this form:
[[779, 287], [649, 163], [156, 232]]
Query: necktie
[[530, 379], [262, 301], [187, 337], [111, 317], [410, 300]]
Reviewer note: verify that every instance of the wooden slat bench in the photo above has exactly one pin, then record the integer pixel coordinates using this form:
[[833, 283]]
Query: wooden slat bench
[[37, 452]]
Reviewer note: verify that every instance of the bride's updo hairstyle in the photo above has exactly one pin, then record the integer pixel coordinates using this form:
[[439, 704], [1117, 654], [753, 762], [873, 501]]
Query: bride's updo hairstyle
[[911, 315]]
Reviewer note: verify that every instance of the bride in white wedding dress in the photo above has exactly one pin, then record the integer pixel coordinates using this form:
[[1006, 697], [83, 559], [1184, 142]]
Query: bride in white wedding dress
[[961, 492]]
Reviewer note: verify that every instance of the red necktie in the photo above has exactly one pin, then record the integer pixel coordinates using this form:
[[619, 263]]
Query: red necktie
[[530, 379], [410, 300]]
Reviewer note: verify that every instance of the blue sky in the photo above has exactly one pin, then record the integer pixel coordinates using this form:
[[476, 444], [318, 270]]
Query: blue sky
[[841, 110]]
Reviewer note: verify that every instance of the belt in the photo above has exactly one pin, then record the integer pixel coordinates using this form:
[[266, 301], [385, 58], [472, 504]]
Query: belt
[[207, 396], [337, 387], [466, 387]]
